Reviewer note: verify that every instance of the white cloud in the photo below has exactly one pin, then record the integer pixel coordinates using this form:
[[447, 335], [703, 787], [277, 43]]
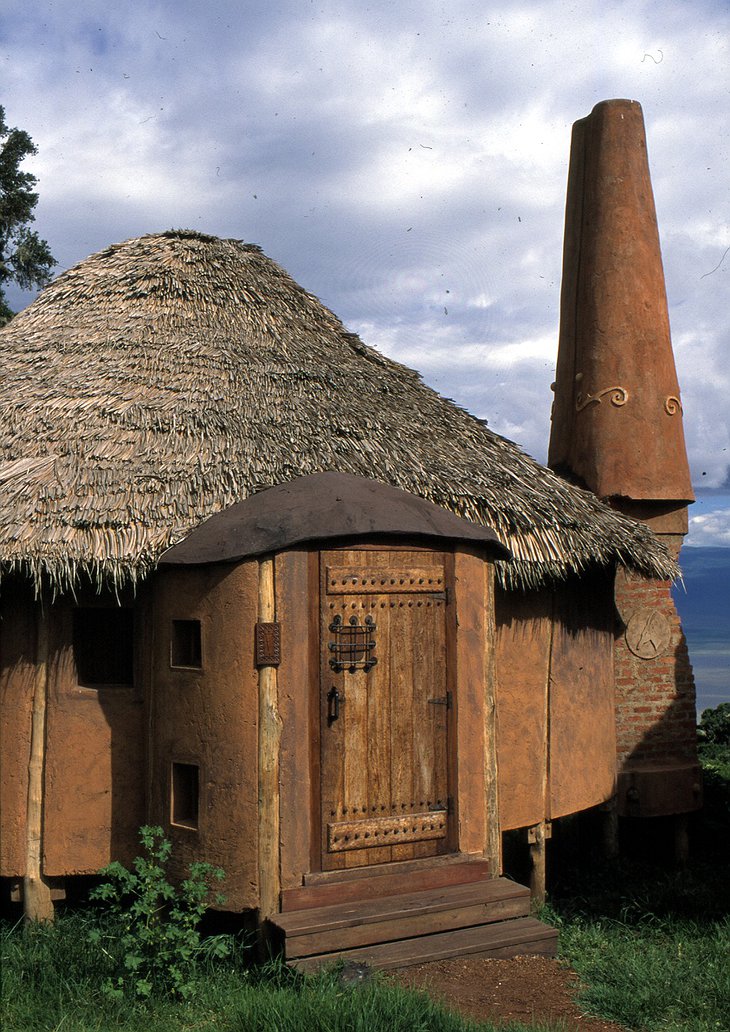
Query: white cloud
[[710, 528], [406, 162]]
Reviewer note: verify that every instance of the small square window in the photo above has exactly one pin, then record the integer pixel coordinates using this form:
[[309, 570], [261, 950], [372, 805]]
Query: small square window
[[185, 644], [184, 795], [103, 643]]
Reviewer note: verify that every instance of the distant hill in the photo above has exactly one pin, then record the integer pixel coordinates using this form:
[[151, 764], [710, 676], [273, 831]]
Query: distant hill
[[704, 608]]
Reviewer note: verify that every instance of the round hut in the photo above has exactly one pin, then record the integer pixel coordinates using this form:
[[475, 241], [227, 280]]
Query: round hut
[[217, 677]]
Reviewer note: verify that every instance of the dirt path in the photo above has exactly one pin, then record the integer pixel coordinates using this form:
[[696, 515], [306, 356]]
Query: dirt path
[[524, 989]]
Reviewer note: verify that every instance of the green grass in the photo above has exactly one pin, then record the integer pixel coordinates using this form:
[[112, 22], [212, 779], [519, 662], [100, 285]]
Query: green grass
[[644, 963], [652, 946], [52, 978]]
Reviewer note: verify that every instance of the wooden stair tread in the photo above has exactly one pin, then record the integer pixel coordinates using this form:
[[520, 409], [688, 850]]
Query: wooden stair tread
[[411, 926], [396, 908], [393, 867], [393, 883], [501, 939]]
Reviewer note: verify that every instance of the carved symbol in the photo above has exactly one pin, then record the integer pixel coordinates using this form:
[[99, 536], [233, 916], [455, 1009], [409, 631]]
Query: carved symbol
[[673, 405], [268, 644], [648, 633], [619, 397]]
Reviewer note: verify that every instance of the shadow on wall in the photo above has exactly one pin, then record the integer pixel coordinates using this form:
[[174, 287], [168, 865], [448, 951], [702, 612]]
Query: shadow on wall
[[95, 740], [658, 769]]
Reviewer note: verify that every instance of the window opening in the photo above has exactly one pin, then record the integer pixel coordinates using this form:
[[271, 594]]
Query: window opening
[[103, 644], [184, 795], [185, 644], [353, 645]]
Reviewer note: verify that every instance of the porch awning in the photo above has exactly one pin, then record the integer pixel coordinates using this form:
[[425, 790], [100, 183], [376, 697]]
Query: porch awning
[[321, 507]]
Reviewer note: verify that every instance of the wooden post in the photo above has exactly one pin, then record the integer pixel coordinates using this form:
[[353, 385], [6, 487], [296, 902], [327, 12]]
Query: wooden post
[[269, 739], [609, 818], [681, 839], [537, 837], [37, 904], [493, 844], [539, 833]]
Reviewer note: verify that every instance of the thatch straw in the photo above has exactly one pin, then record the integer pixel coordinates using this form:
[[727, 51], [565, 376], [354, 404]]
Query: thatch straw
[[167, 377]]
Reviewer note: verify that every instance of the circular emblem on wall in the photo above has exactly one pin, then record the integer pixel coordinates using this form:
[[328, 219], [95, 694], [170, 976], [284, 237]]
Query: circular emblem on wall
[[648, 633]]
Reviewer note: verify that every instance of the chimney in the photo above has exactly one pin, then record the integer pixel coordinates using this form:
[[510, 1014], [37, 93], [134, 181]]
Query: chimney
[[617, 427], [617, 416]]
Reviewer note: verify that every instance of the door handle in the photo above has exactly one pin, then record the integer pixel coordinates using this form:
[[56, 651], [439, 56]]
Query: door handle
[[333, 705]]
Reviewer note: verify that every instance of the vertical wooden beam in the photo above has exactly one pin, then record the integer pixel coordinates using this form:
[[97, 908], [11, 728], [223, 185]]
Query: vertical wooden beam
[[294, 604], [609, 828], [493, 844], [681, 839], [37, 904], [469, 624], [269, 743], [537, 837]]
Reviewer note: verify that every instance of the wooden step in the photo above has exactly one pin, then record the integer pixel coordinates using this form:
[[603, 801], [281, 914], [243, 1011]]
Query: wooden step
[[366, 882], [523, 935], [378, 920], [415, 866]]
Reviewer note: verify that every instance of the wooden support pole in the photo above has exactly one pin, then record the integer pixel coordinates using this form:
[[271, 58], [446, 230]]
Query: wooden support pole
[[37, 903], [609, 828], [681, 839], [539, 833], [493, 844], [269, 742], [537, 837]]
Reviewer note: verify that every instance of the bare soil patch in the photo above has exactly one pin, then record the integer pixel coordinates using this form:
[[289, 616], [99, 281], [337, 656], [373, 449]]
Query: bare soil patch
[[527, 989]]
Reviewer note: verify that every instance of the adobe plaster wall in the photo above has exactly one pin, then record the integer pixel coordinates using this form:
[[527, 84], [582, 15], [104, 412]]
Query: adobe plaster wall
[[17, 673], [94, 789], [208, 717], [555, 702]]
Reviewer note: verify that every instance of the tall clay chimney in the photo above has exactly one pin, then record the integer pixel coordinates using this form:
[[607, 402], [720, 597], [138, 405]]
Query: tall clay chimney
[[617, 427], [617, 417]]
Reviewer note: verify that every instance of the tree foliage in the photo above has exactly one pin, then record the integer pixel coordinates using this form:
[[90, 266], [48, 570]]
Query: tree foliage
[[25, 259], [714, 726]]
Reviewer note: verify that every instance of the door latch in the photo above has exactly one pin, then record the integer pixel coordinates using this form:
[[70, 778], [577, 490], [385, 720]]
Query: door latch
[[333, 705]]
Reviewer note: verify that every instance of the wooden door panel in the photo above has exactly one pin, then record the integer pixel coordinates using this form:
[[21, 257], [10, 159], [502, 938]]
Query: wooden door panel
[[384, 759]]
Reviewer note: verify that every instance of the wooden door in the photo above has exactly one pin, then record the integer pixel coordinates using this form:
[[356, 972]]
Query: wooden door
[[384, 706]]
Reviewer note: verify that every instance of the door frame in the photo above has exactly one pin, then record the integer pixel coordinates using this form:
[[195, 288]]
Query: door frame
[[471, 746], [442, 549]]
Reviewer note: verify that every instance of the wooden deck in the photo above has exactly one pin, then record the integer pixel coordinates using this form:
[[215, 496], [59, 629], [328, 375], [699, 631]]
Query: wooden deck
[[392, 919]]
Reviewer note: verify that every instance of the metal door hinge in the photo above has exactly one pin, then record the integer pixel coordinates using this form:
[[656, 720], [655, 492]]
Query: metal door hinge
[[442, 700], [440, 808], [440, 596]]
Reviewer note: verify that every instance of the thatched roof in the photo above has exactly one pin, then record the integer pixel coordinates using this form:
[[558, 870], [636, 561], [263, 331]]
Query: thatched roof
[[167, 377]]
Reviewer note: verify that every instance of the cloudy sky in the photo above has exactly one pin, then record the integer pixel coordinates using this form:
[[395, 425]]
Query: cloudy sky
[[405, 161]]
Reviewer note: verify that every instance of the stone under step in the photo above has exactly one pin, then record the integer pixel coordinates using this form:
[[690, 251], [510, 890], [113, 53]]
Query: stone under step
[[483, 916]]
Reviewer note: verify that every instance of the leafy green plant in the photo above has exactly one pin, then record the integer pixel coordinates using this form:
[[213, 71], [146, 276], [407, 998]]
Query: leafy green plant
[[714, 725], [152, 927]]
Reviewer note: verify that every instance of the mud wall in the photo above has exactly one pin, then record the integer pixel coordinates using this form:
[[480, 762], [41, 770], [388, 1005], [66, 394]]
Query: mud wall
[[555, 701], [17, 672], [204, 716], [582, 759], [94, 791]]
